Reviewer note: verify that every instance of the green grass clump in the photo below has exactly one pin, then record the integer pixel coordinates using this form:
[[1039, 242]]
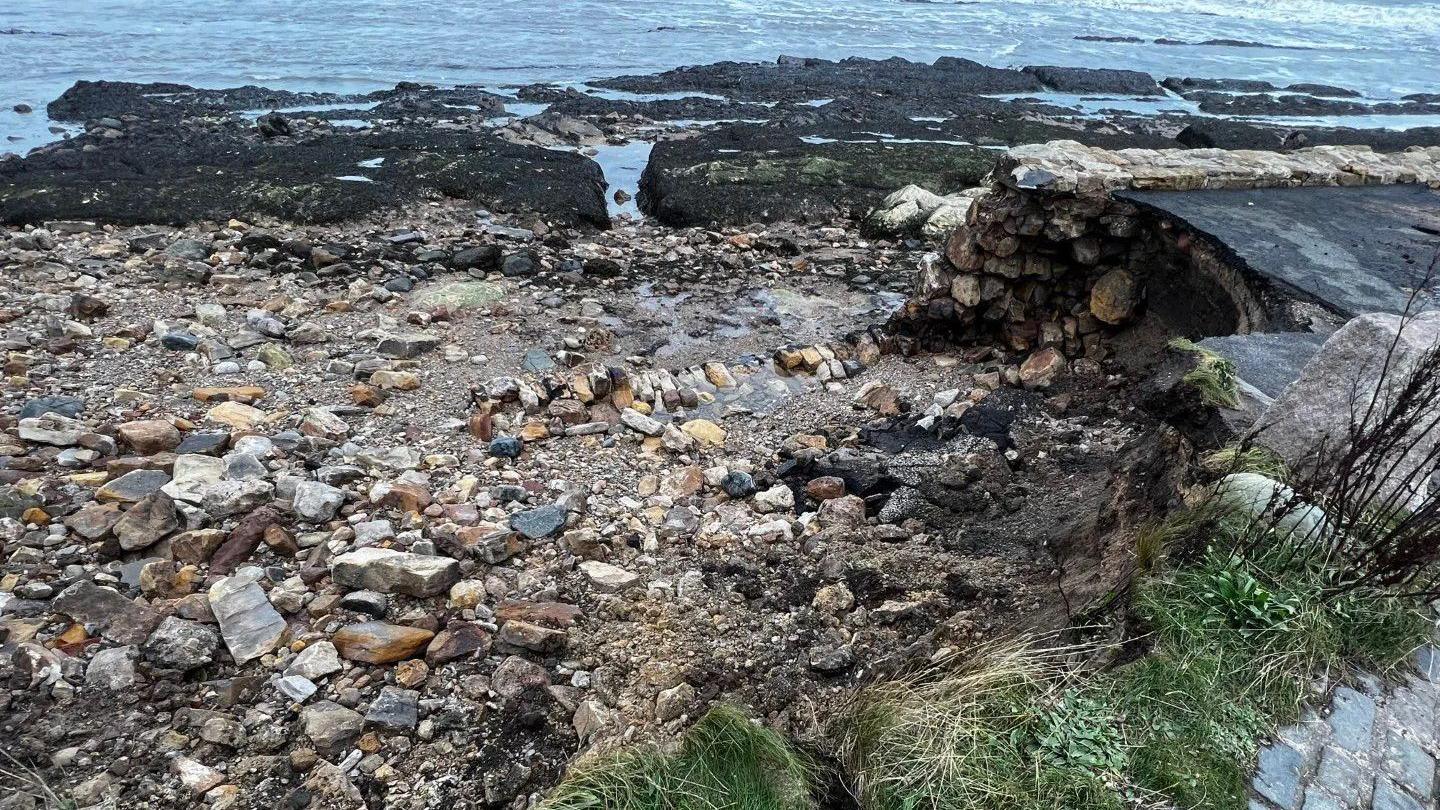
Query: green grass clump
[[1003, 730], [724, 762], [1237, 641], [1246, 459], [1214, 376]]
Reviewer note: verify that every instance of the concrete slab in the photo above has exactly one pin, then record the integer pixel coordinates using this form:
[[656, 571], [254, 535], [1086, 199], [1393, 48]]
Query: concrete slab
[[1353, 249], [1267, 360]]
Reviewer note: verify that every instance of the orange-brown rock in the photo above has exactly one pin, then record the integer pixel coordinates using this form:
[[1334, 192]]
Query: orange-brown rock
[[379, 642], [246, 394]]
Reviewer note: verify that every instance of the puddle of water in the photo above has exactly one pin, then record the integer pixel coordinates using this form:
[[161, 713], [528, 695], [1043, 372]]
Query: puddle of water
[[622, 95], [372, 163], [354, 178], [1396, 122], [623, 166], [357, 105], [524, 109], [817, 102], [350, 123], [887, 138], [710, 122]]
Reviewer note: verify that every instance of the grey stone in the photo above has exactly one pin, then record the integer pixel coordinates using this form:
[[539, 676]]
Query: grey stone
[[1352, 719], [1407, 764], [1390, 797], [516, 675], [66, 406], [315, 661], [317, 502], [1278, 775], [406, 346], [541, 522], [1413, 708], [296, 687], [147, 522], [395, 709], [244, 467], [1317, 799], [120, 619], [389, 571], [226, 731], [1343, 777], [112, 669], [330, 725], [133, 486], [1342, 380], [373, 531], [234, 497], [1269, 361], [207, 444], [181, 644], [371, 603], [1427, 663], [249, 624]]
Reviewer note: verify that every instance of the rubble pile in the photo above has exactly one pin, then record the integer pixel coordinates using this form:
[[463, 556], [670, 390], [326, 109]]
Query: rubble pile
[[414, 510]]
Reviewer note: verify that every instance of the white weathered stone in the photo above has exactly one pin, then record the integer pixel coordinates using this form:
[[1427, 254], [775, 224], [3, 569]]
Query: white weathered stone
[[192, 474], [1272, 503], [606, 577], [641, 423], [389, 571], [316, 661], [248, 622]]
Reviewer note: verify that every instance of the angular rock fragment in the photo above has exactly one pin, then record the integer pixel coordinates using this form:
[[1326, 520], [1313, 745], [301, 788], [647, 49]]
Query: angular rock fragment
[[147, 522], [389, 571], [249, 624], [379, 642], [181, 644], [120, 619]]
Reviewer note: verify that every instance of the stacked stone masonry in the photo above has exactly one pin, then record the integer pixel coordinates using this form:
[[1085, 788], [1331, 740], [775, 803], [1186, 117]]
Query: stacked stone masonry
[[1049, 257]]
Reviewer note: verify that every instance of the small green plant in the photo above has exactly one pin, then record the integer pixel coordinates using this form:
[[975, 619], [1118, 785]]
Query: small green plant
[[1081, 732], [1239, 599], [724, 762], [1213, 376]]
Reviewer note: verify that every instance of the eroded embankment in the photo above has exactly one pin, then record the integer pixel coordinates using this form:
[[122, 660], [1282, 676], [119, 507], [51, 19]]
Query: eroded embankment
[[1073, 243]]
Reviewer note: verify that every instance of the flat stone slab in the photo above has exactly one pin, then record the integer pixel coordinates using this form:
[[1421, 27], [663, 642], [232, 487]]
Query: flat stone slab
[[1353, 249], [1269, 360]]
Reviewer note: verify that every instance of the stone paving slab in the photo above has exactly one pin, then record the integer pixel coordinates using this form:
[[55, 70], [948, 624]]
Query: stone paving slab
[[1352, 249], [1375, 745]]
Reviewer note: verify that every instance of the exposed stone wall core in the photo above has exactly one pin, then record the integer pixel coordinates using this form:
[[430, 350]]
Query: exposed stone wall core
[[1049, 257]]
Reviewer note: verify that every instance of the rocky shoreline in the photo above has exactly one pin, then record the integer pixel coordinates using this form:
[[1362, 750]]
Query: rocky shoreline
[[405, 491], [734, 143]]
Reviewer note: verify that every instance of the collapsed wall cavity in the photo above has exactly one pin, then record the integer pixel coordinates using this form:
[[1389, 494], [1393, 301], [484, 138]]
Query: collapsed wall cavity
[[1053, 255]]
